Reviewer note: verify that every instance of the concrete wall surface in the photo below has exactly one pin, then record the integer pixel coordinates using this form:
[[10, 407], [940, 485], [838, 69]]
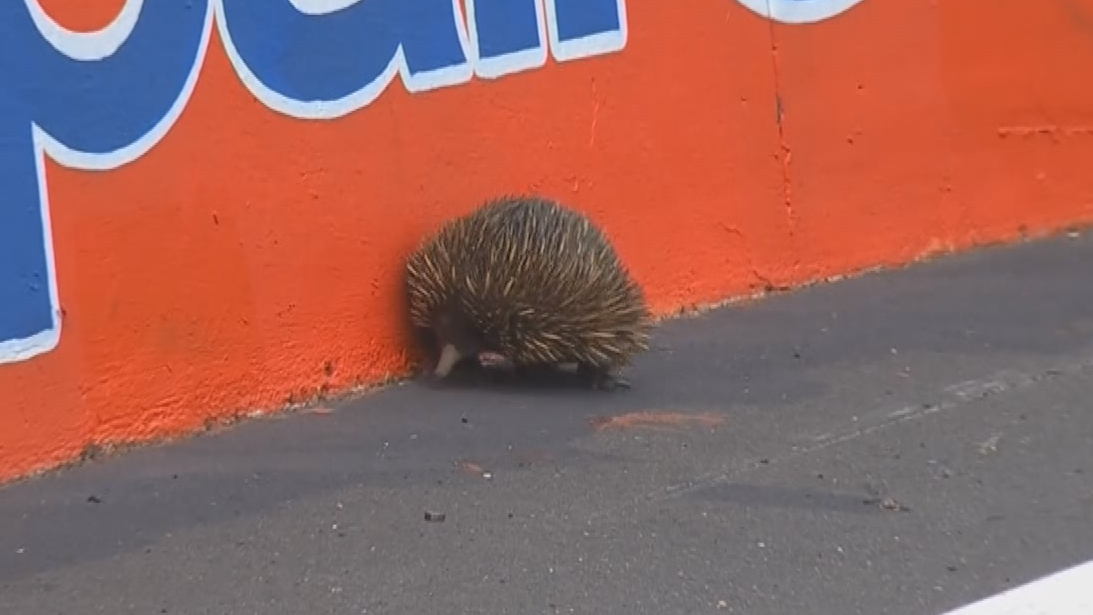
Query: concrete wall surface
[[206, 204]]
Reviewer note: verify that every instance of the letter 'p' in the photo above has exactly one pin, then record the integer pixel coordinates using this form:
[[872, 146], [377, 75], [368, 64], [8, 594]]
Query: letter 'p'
[[87, 100]]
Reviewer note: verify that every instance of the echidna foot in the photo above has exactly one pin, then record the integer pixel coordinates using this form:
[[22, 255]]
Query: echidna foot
[[602, 378], [611, 382], [495, 360]]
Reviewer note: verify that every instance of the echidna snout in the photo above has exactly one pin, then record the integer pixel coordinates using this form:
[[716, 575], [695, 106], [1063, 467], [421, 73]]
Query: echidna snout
[[456, 339]]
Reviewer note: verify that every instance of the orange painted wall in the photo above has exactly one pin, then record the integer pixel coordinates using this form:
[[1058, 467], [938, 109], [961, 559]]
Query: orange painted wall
[[251, 258]]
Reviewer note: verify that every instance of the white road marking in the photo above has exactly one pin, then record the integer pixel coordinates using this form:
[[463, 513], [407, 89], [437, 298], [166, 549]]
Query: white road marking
[[1062, 593]]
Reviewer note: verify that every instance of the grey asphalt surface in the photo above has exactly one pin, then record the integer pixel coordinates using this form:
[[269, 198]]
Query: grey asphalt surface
[[904, 442]]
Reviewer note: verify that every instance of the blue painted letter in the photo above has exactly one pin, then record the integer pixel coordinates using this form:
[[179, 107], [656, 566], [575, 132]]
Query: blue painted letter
[[584, 28], [508, 35], [90, 101], [324, 65]]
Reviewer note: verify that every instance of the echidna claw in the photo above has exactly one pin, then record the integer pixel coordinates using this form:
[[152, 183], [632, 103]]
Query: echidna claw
[[611, 383], [602, 379]]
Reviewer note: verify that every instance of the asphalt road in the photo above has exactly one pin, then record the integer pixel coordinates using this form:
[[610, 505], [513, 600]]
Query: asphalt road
[[901, 443]]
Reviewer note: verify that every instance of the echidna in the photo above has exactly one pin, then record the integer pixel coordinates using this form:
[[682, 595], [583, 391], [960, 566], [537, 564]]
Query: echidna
[[525, 281]]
